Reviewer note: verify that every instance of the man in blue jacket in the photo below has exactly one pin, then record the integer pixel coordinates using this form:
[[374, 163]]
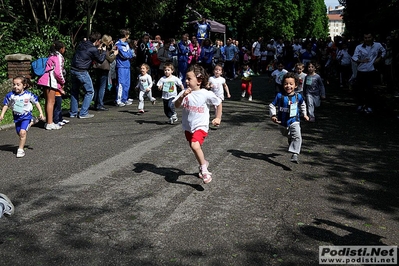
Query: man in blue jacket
[[85, 54], [123, 68]]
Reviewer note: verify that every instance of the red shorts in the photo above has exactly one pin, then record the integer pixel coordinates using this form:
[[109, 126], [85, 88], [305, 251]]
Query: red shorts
[[198, 135]]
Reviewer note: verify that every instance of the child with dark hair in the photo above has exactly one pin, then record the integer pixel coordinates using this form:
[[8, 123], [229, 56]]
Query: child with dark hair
[[196, 102], [53, 81], [20, 101], [313, 89], [285, 110]]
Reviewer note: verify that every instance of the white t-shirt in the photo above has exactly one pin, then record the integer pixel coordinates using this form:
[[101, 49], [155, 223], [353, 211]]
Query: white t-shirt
[[196, 107], [169, 86], [278, 75], [256, 46], [217, 86], [145, 82]]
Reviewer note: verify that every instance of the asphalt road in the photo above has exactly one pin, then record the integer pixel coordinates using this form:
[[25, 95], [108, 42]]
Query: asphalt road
[[122, 188]]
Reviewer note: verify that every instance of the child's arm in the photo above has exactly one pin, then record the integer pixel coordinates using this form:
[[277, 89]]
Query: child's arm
[[216, 121], [181, 96], [226, 89], [40, 110], [273, 113], [3, 111], [303, 110], [149, 80]]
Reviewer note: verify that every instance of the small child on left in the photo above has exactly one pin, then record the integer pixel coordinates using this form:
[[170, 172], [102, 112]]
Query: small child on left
[[6, 206], [144, 85], [20, 101]]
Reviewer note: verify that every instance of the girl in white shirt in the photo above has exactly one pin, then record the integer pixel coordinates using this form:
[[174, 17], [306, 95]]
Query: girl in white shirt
[[144, 85], [196, 102]]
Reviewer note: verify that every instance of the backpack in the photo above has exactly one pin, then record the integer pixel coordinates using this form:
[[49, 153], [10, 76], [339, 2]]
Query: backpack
[[39, 66]]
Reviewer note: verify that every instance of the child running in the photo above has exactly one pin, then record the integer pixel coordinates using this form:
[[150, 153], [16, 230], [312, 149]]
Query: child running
[[144, 85], [20, 101], [246, 80], [196, 102], [278, 75], [168, 85], [217, 83], [285, 110], [313, 90], [299, 67]]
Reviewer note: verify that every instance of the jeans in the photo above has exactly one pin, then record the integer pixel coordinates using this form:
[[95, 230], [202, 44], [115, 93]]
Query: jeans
[[169, 107], [57, 113], [100, 91], [81, 78]]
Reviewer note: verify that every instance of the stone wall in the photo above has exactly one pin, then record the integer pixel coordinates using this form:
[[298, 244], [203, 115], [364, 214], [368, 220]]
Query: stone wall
[[19, 65]]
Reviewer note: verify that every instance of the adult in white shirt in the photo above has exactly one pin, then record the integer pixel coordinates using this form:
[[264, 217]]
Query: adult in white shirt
[[256, 46], [366, 55]]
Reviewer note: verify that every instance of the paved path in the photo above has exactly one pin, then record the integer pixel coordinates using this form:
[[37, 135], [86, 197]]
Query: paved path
[[122, 188]]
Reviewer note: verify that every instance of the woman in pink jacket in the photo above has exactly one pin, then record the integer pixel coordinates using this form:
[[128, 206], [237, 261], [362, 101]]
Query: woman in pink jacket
[[53, 80]]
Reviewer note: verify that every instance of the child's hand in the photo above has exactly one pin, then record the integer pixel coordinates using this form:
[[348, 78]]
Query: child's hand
[[1, 118], [228, 95], [216, 121], [186, 92], [148, 89], [275, 120], [41, 116], [306, 117], [160, 87]]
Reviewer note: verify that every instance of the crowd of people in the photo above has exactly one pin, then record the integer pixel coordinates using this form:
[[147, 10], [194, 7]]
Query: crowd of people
[[192, 73]]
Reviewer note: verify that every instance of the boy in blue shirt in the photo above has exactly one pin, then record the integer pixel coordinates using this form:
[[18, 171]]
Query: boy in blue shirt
[[286, 110]]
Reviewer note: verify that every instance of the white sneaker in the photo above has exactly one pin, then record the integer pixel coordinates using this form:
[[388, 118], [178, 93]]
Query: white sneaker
[[61, 124], [20, 153], [243, 94], [250, 98], [130, 100], [65, 121], [171, 120], [53, 126], [128, 103], [120, 104], [8, 206]]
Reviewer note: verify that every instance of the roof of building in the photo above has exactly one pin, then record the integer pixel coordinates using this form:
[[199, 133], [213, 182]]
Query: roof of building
[[334, 17]]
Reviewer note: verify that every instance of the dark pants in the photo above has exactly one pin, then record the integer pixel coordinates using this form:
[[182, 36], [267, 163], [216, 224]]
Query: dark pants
[[57, 113], [169, 107], [364, 88]]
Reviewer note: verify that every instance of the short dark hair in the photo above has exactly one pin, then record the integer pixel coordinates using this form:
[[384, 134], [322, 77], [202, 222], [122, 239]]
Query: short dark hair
[[95, 36], [291, 75]]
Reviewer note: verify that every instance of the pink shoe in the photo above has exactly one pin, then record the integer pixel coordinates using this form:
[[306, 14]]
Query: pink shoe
[[206, 177]]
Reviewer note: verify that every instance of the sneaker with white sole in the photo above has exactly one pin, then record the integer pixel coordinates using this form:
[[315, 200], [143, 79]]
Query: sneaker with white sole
[[65, 121], [250, 98], [120, 104], [53, 126], [243, 94], [171, 121], [294, 158], [8, 206], [206, 176], [20, 153]]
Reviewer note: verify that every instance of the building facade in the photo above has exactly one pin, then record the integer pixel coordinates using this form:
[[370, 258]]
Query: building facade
[[335, 22]]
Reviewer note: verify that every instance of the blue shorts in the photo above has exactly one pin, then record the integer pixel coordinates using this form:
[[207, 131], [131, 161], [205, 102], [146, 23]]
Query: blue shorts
[[23, 124]]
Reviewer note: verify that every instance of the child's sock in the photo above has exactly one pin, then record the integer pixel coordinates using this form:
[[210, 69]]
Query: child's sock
[[204, 167]]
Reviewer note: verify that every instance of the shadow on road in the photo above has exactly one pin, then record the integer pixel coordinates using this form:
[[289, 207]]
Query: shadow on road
[[171, 175], [259, 156]]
